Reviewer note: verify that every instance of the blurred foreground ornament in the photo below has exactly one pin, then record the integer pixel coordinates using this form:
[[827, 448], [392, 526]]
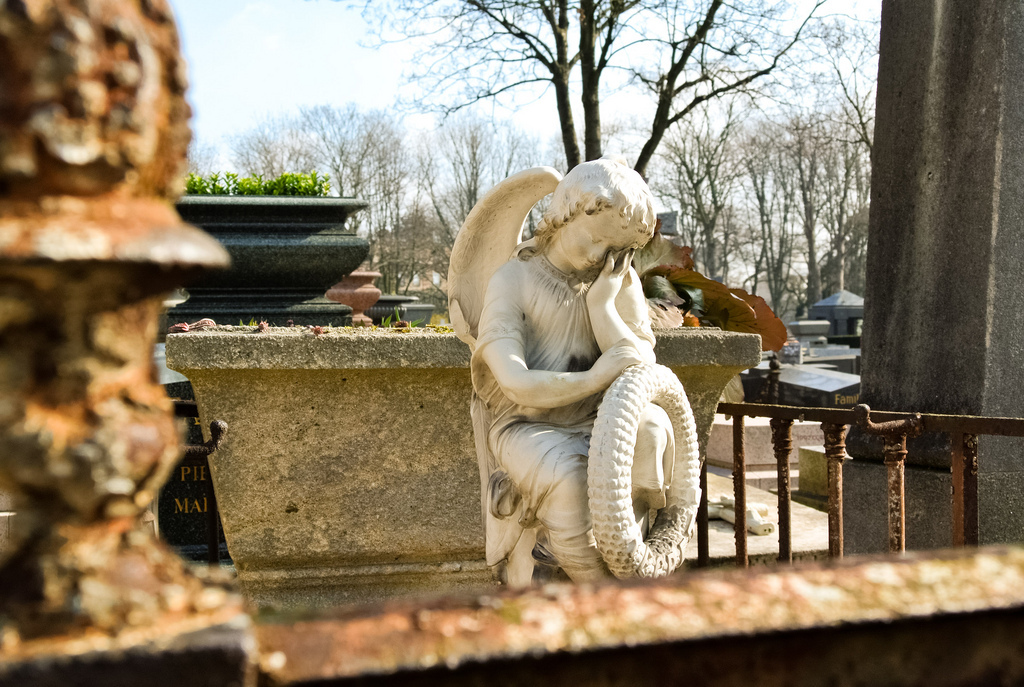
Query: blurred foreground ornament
[[93, 134]]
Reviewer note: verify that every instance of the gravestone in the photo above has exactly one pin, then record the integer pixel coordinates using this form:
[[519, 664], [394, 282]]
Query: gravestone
[[810, 386], [669, 223], [185, 502], [807, 386], [944, 319]]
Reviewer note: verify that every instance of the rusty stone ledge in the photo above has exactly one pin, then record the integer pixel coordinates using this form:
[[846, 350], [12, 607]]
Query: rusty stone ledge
[[950, 618]]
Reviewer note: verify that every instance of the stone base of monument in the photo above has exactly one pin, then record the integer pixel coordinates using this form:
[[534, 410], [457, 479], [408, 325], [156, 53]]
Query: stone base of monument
[[349, 469], [865, 515]]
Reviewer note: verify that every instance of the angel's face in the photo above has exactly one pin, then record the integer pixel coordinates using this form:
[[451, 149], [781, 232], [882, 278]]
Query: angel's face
[[588, 239]]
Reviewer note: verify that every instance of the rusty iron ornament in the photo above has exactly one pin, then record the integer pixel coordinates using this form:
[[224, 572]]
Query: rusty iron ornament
[[93, 134]]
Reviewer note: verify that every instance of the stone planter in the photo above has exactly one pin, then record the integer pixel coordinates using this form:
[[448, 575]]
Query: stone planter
[[357, 292], [409, 309], [386, 306], [285, 252], [415, 311], [324, 497]]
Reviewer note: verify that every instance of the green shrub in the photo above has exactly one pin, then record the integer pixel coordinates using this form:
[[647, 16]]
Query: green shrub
[[230, 184]]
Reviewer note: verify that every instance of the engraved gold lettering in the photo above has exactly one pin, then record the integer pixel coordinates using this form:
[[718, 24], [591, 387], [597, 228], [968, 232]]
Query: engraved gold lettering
[[185, 472], [179, 508]]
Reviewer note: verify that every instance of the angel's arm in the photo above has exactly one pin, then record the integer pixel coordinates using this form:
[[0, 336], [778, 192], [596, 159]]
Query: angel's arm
[[615, 302], [501, 347], [548, 389]]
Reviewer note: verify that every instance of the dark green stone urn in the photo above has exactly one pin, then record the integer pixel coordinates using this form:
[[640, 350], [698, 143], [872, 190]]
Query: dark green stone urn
[[285, 252]]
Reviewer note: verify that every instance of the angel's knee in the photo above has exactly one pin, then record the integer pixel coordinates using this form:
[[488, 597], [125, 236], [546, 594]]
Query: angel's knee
[[653, 457]]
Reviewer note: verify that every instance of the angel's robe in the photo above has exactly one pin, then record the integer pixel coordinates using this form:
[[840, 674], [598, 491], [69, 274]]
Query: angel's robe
[[544, 450]]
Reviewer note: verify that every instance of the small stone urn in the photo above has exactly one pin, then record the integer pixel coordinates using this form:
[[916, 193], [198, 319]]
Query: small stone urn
[[358, 292]]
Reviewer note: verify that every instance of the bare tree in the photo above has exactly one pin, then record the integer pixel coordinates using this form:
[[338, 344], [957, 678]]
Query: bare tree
[[849, 52], [362, 152], [202, 157], [272, 147], [769, 185], [846, 177], [385, 176], [682, 52], [698, 173], [805, 143], [339, 135], [464, 158]]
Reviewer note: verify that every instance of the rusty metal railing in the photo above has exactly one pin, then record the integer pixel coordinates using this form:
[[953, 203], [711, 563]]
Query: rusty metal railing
[[894, 428]]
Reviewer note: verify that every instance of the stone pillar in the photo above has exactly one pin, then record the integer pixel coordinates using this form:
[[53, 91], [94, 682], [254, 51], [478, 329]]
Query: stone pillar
[[944, 319]]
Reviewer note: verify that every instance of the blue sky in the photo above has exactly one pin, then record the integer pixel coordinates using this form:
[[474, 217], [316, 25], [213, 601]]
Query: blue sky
[[249, 58]]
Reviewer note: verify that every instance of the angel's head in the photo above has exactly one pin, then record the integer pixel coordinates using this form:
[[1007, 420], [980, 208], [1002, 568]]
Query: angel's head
[[599, 206]]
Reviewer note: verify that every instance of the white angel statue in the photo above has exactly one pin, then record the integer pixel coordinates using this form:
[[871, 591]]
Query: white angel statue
[[580, 436]]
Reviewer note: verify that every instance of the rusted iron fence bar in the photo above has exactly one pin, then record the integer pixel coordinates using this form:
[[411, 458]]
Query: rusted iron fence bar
[[703, 542], [895, 434], [932, 422], [739, 490], [956, 442], [894, 428], [969, 492], [835, 454], [782, 441]]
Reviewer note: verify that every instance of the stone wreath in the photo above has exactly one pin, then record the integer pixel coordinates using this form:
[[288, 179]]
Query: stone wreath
[[609, 475]]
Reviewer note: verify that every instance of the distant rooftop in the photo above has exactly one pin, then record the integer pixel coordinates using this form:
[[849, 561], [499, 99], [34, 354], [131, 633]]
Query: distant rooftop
[[840, 298]]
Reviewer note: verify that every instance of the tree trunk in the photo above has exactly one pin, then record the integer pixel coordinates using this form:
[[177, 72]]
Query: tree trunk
[[590, 78], [813, 273], [658, 130], [710, 258], [841, 261], [560, 79], [565, 120]]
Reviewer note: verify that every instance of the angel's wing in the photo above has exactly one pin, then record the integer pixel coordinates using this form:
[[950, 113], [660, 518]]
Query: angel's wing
[[489, 235]]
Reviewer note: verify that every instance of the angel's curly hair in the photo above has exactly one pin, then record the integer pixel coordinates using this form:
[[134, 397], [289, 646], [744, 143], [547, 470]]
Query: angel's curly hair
[[593, 187]]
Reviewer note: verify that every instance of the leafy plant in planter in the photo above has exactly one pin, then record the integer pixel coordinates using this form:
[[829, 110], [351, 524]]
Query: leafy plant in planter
[[681, 296], [288, 243], [230, 184]]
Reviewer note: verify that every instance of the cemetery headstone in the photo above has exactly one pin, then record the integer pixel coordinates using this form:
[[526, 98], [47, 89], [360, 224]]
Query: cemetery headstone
[[183, 509]]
